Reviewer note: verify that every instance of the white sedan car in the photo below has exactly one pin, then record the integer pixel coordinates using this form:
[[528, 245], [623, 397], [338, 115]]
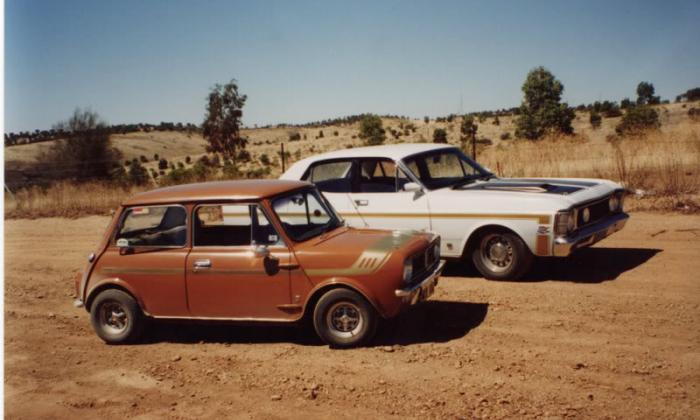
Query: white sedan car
[[501, 224]]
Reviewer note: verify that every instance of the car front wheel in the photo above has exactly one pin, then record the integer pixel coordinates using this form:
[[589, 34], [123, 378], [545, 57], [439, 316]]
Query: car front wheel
[[116, 317], [502, 256], [343, 318]]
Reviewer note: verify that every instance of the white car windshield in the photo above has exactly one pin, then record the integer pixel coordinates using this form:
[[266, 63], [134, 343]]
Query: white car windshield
[[445, 168], [305, 214]]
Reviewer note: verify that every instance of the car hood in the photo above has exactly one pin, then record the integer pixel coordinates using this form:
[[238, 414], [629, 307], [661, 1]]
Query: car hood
[[356, 252], [535, 193]]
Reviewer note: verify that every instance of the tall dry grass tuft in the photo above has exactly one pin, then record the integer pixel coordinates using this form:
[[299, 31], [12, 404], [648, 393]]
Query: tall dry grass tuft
[[658, 163], [65, 199]]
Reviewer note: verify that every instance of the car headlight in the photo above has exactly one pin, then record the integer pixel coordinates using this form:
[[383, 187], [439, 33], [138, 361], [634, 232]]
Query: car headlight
[[407, 270], [614, 203], [564, 222], [436, 250]]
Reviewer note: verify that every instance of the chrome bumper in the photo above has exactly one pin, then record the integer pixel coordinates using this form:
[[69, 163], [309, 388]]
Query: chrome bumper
[[565, 245], [423, 290]]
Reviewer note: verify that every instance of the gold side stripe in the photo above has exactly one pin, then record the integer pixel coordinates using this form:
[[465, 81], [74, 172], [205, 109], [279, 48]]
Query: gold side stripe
[[229, 271], [542, 219], [141, 270], [370, 261]]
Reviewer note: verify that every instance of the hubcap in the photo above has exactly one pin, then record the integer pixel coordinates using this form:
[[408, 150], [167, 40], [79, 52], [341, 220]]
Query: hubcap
[[496, 252], [113, 317], [344, 319]]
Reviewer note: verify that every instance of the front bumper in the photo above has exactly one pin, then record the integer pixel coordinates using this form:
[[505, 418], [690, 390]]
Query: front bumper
[[421, 291], [565, 245]]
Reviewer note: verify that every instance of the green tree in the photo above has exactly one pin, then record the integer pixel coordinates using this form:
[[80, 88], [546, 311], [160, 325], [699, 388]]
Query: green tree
[[221, 127], [439, 135], [645, 94], [541, 110], [371, 130], [85, 153]]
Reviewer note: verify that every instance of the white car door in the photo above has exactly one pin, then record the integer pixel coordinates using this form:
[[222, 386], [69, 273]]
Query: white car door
[[380, 200], [334, 179]]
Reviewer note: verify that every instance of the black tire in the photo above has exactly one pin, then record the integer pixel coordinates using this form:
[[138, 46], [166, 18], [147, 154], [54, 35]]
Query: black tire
[[358, 326], [501, 256], [116, 317]]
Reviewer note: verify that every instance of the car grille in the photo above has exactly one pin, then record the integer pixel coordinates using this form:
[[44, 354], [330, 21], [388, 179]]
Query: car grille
[[598, 211], [424, 262]]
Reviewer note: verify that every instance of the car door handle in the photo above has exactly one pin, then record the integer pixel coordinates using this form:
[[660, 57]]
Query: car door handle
[[361, 202], [201, 264]]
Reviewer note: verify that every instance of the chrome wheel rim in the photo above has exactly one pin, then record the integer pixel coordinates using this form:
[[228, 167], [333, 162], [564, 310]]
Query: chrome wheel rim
[[113, 317], [497, 253], [344, 320]]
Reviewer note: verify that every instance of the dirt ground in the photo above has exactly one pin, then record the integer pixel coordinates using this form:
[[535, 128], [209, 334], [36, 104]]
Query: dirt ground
[[609, 333]]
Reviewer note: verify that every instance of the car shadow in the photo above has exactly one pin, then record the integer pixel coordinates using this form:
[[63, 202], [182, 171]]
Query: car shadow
[[432, 321], [588, 265]]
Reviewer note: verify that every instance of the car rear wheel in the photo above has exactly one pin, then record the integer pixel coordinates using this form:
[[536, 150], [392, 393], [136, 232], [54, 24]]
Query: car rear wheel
[[116, 317], [343, 318], [502, 256]]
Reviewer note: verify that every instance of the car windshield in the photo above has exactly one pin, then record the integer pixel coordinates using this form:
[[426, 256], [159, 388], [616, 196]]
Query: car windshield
[[305, 214], [445, 168]]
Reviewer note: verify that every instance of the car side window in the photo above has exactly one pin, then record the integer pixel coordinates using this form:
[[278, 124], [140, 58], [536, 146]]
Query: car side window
[[333, 176], [163, 226], [377, 176], [232, 225]]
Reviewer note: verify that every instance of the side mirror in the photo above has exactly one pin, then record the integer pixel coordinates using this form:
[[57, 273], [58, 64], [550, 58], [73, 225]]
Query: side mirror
[[261, 251], [124, 246], [412, 187]]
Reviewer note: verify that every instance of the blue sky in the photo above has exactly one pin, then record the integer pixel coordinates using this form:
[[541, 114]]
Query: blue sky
[[152, 61]]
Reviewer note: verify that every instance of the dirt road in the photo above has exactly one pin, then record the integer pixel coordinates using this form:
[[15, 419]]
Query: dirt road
[[610, 333]]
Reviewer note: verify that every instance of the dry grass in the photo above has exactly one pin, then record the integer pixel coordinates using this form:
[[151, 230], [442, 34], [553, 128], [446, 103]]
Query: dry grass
[[65, 200], [663, 165]]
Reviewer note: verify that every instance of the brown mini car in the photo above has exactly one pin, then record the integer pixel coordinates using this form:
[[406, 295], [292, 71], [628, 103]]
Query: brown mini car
[[256, 251]]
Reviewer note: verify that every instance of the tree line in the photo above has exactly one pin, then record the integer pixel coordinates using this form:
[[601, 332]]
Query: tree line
[[58, 132]]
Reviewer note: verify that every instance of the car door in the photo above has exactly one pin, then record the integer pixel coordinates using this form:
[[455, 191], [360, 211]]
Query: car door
[[147, 253], [381, 201], [334, 178], [238, 266]]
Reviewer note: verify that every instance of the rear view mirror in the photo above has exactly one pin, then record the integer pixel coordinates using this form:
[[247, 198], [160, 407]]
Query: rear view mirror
[[122, 243], [411, 187]]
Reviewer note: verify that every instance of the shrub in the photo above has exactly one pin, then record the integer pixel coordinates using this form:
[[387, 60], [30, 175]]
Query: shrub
[[163, 164], [595, 119], [496, 121], [137, 173], [439, 135], [264, 159], [188, 160], [371, 130], [156, 157], [638, 118], [243, 156], [143, 159], [320, 134], [505, 136], [694, 113], [335, 133], [295, 136]]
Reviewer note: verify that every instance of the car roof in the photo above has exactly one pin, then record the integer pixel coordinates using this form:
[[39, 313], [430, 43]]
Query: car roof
[[218, 190], [388, 151]]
